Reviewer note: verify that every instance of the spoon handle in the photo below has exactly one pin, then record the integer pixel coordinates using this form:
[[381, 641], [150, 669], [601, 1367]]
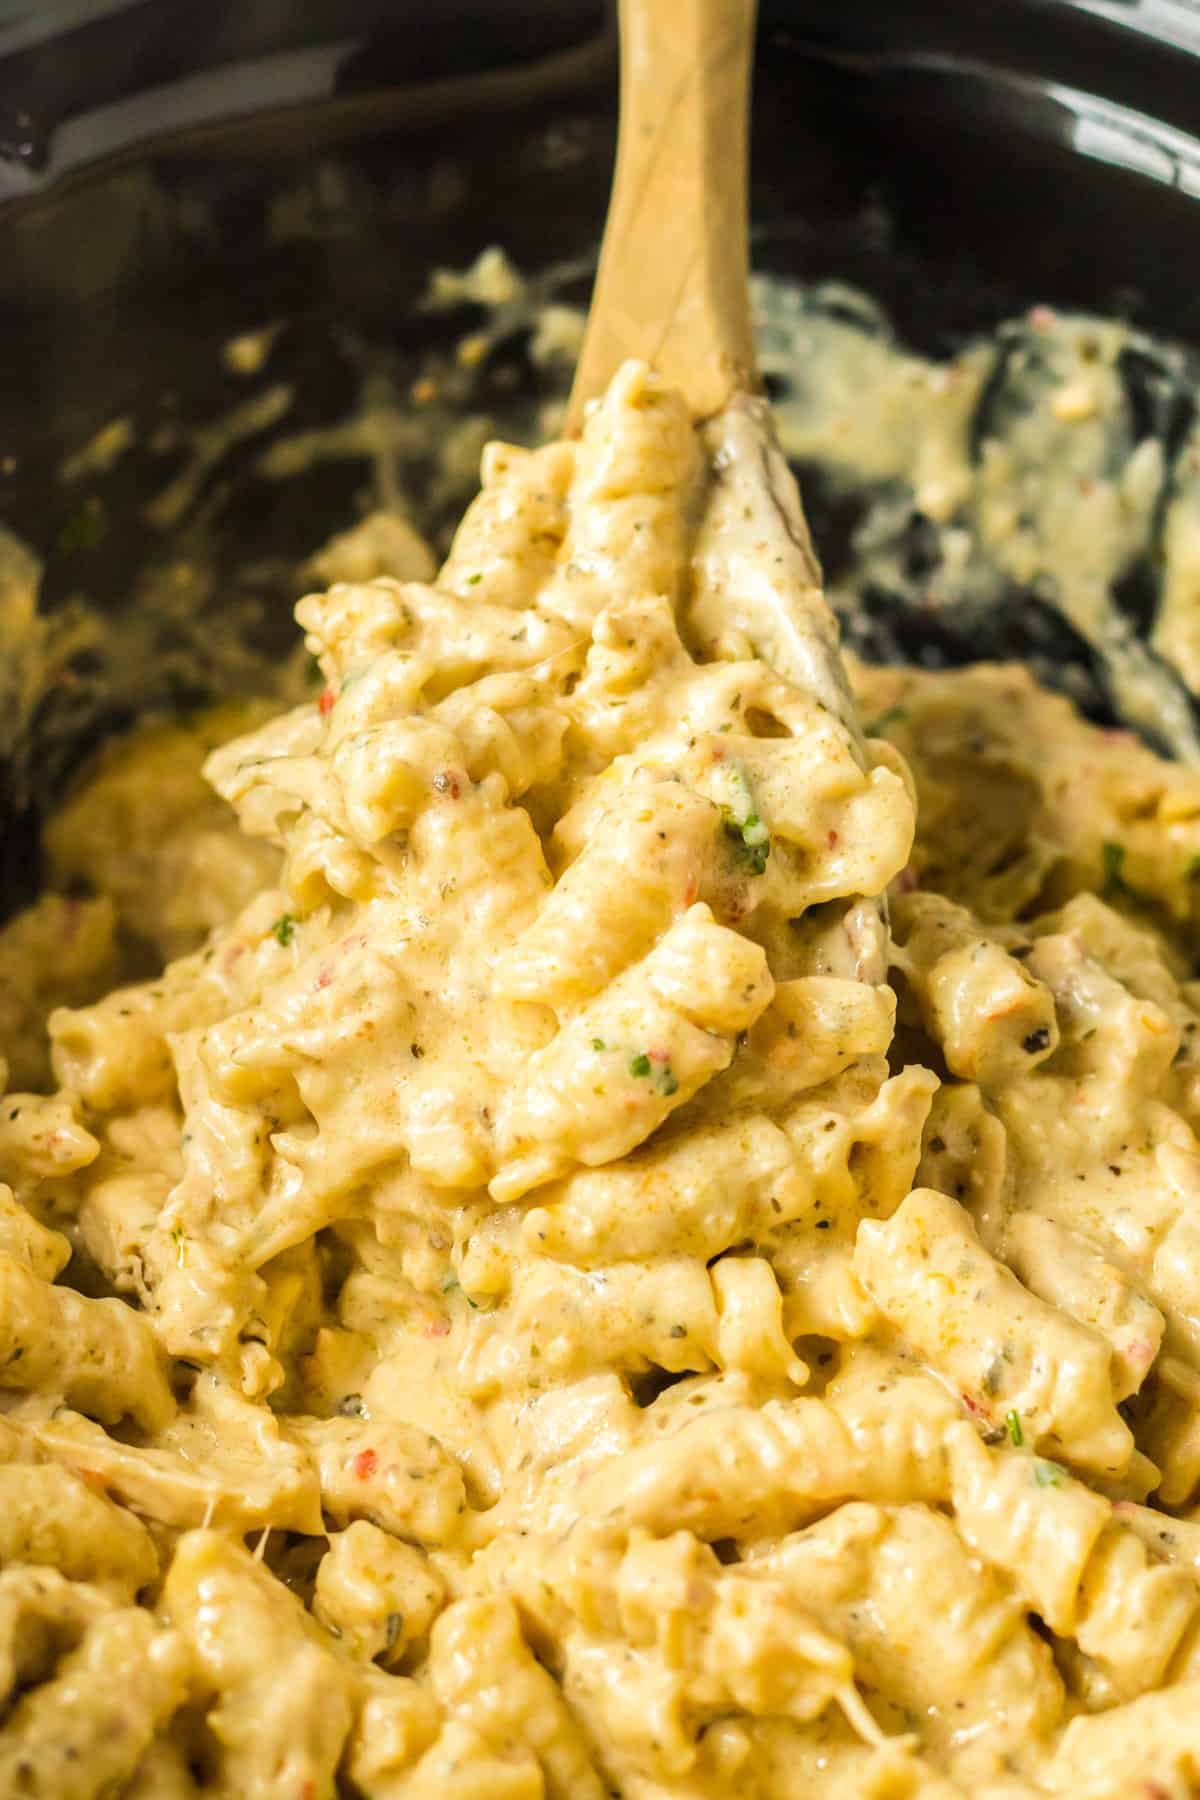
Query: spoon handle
[[672, 287]]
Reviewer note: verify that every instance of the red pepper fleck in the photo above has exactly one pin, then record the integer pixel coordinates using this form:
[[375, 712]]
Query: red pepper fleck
[[364, 1465], [324, 977], [437, 1327], [832, 839], [325, 703], [447, 782], [691, 890], [974, 1408], [94, 1479], [659, 1056]]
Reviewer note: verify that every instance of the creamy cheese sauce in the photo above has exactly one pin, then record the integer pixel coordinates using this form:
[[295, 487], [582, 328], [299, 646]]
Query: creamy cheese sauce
[[547, 1293], [1056, 459]]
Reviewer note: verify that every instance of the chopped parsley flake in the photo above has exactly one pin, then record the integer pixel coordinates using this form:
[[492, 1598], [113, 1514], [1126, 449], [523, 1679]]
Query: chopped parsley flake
[[1048, 1474], [892, 715], [84, 529], [741, 823], [1012, 1424], [451, 1283], [750, 839], [284, 928], [644, 1064], [474, 580], [599, 1044], [1112, 861]]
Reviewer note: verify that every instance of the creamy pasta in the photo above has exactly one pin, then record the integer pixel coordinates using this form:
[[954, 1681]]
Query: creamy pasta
[[644, 1244]]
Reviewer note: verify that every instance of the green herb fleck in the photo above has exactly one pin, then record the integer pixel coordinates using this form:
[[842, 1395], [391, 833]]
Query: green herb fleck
[[599, 1044], [1112, 861], [667, 1082], [180, 1242], [678, 1331], [1012, 1424], [449, 1283], [84, 529], [891, 716], [1049, 1474], [474, 580], [741, 824], [639, 1065], [749, 838], [284, 928]]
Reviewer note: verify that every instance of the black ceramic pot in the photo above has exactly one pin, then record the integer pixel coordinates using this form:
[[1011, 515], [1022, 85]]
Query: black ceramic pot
[[173, 172]]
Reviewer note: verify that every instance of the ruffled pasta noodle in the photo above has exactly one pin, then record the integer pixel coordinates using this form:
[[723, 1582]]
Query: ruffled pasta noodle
[[547, 1295]]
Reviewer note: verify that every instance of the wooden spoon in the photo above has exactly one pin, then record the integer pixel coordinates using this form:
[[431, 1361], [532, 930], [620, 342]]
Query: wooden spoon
[[673, 291], [673, 284]]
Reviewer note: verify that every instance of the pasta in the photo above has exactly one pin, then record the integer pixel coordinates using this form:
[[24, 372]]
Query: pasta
[[620, 1256]]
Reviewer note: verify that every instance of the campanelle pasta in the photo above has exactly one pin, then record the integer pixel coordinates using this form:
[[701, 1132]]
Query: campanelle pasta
[[550, 1292]]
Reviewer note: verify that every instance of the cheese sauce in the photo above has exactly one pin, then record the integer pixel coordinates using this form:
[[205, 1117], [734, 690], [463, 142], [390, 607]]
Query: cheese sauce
[[541, 1289]]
